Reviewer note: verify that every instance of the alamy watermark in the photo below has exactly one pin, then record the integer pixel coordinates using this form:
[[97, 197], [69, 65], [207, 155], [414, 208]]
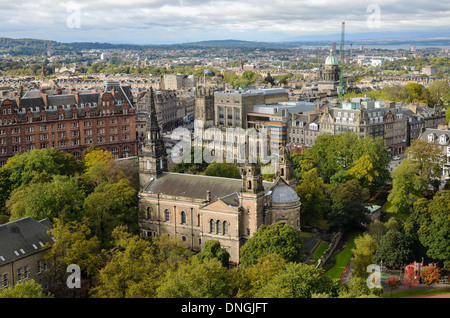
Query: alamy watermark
[[374, 19], [74, 279], [73, 21]]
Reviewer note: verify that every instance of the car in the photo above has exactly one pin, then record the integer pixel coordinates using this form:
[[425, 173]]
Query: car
[[396, 158]]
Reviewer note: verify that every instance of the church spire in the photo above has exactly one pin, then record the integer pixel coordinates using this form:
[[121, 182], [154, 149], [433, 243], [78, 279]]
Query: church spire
[[153, 157]]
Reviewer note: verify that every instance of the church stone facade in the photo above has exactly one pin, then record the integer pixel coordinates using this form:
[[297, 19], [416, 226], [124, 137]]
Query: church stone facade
[[197, 208]]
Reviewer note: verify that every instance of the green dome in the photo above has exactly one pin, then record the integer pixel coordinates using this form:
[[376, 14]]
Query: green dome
[[331, 60]]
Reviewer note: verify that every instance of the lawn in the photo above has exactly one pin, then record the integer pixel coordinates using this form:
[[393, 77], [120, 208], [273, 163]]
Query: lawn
[[388, 209], [323, 246], [343, 257], [415, 292]]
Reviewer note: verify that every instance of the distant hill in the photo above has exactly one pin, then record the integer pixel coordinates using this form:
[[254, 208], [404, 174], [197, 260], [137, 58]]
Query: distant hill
[[36, 46]]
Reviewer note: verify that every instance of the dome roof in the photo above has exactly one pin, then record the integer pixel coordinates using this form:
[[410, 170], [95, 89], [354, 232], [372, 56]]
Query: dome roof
[[283, 193], [331, 59]]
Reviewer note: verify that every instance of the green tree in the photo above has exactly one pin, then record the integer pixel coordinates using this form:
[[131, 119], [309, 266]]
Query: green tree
[[126, 267], [348, 206], [276, 238], [377, 229], [60, 197], [25, 289], [434, 232], [224, 169], [393, 250], [310, 190], [297, 280], [357, 288], [365, 246], [73, 245], [247, 281], [23, 168], [111, 205], [196, 279], [212, 249]]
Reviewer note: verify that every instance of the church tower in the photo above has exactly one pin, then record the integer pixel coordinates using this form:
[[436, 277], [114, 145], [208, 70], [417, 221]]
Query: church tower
[[204, 106], [252, 198], [286, 167], [153, 156]]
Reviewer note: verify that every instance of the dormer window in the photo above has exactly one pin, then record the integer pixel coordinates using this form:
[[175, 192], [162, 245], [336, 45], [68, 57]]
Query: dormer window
[[431, 137], [443, 139]]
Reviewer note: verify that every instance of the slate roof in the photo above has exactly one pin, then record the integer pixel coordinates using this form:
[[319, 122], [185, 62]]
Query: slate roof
[[22, 238], [283, 193], [196, 186]]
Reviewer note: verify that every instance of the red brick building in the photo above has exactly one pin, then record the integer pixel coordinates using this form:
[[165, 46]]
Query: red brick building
[[70, 121]]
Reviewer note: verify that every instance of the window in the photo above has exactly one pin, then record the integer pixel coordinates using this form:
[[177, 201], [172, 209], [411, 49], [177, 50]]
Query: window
[[19, 274], [211, 226], [5, 280], [183, 217], [167, 215], [218, 226], [225, 228]]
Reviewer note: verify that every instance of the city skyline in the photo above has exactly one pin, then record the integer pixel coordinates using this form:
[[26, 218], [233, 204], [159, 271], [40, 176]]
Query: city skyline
[[181, 21]]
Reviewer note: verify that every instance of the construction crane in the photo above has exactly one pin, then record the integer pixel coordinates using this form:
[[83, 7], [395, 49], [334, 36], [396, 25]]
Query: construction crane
[[341, 64]]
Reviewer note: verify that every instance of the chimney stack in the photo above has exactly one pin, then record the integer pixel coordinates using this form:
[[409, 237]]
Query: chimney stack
[[208, 196]]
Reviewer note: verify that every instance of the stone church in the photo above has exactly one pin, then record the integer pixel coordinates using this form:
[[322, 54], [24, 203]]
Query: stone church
[[198, 208]]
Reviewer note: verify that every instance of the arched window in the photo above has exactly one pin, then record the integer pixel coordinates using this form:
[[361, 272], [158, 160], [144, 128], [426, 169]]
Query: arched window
[[198, 219], [218, 227], [166, 215], [282, 172], [249, 185], [225, 228], [148, 213], [183, 217], [211, 226]]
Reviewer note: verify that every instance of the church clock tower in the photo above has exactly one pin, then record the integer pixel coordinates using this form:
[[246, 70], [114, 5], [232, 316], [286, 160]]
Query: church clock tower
[[153, 156]]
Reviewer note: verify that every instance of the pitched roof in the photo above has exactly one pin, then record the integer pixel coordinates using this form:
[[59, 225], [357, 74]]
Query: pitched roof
[[196, 186], [22, 238]]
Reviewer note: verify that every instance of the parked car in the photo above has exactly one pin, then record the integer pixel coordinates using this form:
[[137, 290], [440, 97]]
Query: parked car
[[396, 158]]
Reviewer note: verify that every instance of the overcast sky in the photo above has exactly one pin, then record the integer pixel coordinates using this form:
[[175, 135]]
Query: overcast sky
[[179, 21]]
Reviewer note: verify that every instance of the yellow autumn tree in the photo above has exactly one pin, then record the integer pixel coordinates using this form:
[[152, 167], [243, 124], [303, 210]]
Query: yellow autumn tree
[[364, 171]]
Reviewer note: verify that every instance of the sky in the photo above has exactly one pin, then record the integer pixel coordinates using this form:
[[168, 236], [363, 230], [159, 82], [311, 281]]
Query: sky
[[181, 21]]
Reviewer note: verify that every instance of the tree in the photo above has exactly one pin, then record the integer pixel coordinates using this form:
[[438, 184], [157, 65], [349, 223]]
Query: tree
[[23, 168], [224, 169], [393, 283], [430, 275], [410, 277], [357, 288], [276, 238], [297, 280], [73, 245], [348, 204], [392, 224], [126, 267], [196, 279], [364, 171], [247, 281], [211, 249], [59, 197], [430, 159], [377, 229], [434, 232], [439, 93], [310, 190], [365, 246], [109, 206], [404, 187], [25, 289], [393, 250]]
